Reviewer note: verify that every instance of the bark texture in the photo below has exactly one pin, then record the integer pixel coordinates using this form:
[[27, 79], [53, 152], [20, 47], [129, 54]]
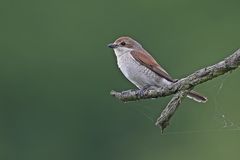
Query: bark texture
[[181, 87]]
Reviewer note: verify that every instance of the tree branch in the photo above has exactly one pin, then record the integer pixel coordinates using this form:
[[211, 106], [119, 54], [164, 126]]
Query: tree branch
[[181, 87], [167, 113]]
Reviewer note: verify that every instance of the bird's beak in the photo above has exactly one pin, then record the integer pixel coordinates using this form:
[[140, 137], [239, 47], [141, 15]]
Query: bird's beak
[[112, 45]]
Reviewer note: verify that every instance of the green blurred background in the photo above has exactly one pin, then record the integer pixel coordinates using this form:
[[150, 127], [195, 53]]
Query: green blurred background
[[56, 75]]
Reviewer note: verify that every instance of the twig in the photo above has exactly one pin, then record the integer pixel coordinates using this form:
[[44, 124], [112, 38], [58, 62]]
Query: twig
[[185, 84], [167, 113]]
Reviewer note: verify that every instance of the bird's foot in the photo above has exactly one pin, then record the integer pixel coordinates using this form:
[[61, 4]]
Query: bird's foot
[[143, 90]]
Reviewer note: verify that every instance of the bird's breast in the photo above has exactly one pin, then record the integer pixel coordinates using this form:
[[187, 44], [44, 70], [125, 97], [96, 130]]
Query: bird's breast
[[137, 73], [129, 66]]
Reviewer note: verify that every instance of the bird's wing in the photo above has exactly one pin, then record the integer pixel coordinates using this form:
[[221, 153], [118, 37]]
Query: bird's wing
[[148, 61]]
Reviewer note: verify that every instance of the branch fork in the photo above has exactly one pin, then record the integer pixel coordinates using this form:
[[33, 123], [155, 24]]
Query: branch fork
[[181, 87]]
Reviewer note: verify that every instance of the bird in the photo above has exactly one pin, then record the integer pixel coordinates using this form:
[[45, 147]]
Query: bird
[[141, 69]]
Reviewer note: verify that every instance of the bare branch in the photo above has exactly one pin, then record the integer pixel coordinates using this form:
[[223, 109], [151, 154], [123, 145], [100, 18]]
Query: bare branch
[[184, 85], [167, 113]]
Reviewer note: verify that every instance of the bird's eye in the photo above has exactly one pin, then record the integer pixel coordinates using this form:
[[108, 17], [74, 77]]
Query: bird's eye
[[123, 43]]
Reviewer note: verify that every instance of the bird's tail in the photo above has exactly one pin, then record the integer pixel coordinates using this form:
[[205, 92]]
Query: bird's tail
[[197, 97]]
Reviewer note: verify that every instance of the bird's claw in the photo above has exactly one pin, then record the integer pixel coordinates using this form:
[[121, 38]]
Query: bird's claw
[[143, 91]]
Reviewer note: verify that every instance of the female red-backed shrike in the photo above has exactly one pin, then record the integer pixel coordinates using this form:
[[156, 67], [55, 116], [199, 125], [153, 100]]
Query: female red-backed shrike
[[140, 68]]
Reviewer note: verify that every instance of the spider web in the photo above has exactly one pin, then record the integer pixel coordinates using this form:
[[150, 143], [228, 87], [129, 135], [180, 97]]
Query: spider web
[[220, 116]]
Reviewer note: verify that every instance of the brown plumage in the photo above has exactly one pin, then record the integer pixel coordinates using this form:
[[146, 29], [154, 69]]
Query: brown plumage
[[148, 61]]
